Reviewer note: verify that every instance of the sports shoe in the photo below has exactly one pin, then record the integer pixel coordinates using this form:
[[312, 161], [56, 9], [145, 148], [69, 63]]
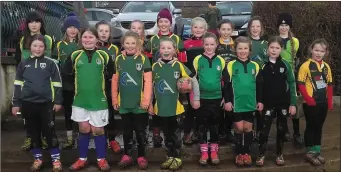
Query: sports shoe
[[214, 154], [103, 165], [320, 158], [78, 165], [247, 159], [142, 163], [239, 160], [311, 157], [125, 161], [115, 146], [44, 143], [187, 139], [280, 160], [260, 161], [68, 144], [176, 164], [57, 166], [204, 154], [37, 165], [27, 144], [167, 163]]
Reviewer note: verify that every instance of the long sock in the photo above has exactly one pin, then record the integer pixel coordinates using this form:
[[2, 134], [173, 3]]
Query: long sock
[[37, 153], [296, 126], [100, 142], [55, 154], [317, 148], [83, 144], [239, 144], [248, 137]]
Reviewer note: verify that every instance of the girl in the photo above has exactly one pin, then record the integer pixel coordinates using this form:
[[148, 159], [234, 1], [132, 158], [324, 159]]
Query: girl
[[104, 31], [315, 84], [64, 49], [166, 71], [242, 95], [34, 25], [90, 68], [138, 27], [131, 95], [279, 101], [209, 68], [164, 23], [259, 53], [226, 50], [194, 47], [37, 93]]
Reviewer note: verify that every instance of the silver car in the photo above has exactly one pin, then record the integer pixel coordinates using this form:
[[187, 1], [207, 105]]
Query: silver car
[[146, 12]]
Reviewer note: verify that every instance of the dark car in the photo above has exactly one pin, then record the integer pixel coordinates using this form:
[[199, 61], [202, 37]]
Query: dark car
[[239, 13]]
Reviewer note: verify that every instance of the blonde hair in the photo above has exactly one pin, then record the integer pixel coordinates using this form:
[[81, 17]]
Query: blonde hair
[[135, 36], [139, 21], [197, 20]]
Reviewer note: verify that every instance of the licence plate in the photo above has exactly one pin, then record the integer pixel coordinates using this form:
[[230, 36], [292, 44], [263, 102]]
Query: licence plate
[[235, 33]]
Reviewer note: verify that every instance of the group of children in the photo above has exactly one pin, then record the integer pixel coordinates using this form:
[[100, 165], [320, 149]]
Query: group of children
[[233, 81]]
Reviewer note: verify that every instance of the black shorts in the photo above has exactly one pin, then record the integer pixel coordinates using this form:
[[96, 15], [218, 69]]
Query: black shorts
[[243, 116]]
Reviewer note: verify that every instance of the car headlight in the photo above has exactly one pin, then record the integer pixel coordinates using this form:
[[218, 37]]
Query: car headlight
[[245, 26], [115, 23]]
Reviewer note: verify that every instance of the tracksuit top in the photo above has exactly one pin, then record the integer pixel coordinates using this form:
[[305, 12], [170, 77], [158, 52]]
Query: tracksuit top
[[279, 87], [194, 47], [165, 77], [90, 69], [37, 80], [226, 51], [286, 53], [209, 73], [243, 85]]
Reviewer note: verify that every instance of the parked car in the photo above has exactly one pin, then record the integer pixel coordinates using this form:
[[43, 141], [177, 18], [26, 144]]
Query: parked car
[[238, 12], [95, 15], [146, 12], [186, 28]]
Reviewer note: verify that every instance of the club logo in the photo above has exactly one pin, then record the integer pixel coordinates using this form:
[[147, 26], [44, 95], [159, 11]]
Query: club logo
[[218, 67], [42, 65], [284, 112], [163, 86], [98, 61], [253, 71], [176, 74], [281, 70], [138, 66]]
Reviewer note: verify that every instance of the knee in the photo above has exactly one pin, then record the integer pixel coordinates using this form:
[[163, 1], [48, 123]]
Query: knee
[[84, 127], [239, 127], [97, 131]]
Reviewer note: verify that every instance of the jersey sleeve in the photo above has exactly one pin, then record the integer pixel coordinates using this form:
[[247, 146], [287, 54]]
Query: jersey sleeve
[[196, 63], [57, 84], [18, 83], [227, 78], [185, 72], [303, 73], [329, 75]]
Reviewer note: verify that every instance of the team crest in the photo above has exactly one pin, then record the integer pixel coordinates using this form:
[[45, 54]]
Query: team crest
[[253, 71], [138, 66], [113, 57], [43, 65], [218, 67], [176, 75], [284, 112], [98, 61], [281, 70]]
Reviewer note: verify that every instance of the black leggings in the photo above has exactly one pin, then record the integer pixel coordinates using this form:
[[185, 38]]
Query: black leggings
[[171, 131], [40, 119], [266, 119], [138, 123], [226, 121], [315, 117], [67, 104], [110, 129], [208, 119], [189, 121]]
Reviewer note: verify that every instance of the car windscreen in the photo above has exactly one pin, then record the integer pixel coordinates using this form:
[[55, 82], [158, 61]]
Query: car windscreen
[[235, 8], [144, 7], [98, 16]]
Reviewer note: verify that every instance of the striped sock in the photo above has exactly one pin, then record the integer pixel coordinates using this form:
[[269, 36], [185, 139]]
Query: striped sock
[[37, 153], [55, 154]]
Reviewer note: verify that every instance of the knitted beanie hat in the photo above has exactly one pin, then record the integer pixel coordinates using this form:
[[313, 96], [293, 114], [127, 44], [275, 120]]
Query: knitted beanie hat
[[71, 20], [284, 18], [164, 13]]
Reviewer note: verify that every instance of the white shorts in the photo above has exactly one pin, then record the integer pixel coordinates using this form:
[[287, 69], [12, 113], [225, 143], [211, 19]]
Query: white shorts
[[98, 118]]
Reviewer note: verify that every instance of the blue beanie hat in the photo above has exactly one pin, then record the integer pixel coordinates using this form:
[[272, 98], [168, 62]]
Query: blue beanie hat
[[71, 20]]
